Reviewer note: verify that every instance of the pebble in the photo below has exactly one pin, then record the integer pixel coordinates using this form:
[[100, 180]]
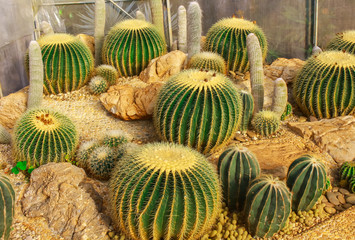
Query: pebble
[[324, 200], [351, 200], [328, 204], [251, 134], [240, 138], [339, 208], [302, 119], [312, 119], [335, 189], [344, 191], [346, 205], [341, 199], [330, 210], [332, 198]]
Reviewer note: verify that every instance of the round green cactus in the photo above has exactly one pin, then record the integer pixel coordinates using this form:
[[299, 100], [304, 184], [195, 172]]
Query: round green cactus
[[109, 73], [306, 178], [68, 63], [7, 206], [164, 191], [267, 206], [352, 184], [84, 151], [199, 109], [347, 171], [98, 85], [287, 112], [228, 38], [208, 61], [325, 87], [130, 45], [237, 167], [43, 136], [266, 123], [114, 138], [248, 108], [344, 41]]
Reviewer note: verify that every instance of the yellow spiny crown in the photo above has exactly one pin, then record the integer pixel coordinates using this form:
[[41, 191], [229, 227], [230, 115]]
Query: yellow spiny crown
[[45, 121], [57, 38], [236, 23], [268, 114], [339, 58], [132, 24], [200, 78], [349, 36]]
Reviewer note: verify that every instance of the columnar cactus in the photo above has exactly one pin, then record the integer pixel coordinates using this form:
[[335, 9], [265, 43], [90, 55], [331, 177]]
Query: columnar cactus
[[98, 85], [237, 167], [266, 123], [325, 87], [157, 15], [100, 16], [164, 191], [287, 111], [194, 28], [130, 45], [344, 41], [43, 136], [199, 109], [208, 61], [347, 171], [247, 112], [109, 73], [267, 206], [7, 206], [114, 138], [279, 101], [35, 92], [306, 178], [316, 51], [228, 38], [182, 29], [5, 137]]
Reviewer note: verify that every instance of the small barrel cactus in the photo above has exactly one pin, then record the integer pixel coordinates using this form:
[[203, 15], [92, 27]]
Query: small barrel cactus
[[199, 109], [7, 206], [43, 136], [84, 151], [347, 171], [266, 123], [344, 41], [109, 73], [287, 112], [98, 85], [325, 87], [248, 108], [267, 206], [352, 184], [130, 45], [306, 178], [237, 167], [228, 38], [114, 138], [164, 191], [208, 61]]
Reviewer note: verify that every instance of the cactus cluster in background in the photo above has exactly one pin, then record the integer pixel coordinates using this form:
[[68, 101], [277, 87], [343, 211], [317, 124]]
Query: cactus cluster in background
[[130, 45], [43, 136], [279, 101], [164, 191], [287, 112], [347, 171], [194, 28], [182, 29], [248, 108], [344, 41], [109, 73], [306, 179], [200, 109], [237, 167], [325, 87], [100, 16], [35, 92], [98, 85], [208, 61], [266, 123], [7, 206], [5, 137]]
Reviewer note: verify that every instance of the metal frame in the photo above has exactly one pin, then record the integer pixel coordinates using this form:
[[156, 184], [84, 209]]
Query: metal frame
[[81, 2]]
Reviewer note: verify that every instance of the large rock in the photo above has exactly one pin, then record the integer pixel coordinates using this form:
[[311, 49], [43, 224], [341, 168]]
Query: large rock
[[161, 68], [284, 68], [59, 193], [335, 136]]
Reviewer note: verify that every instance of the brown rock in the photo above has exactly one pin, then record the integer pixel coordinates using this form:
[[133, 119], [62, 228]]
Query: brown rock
[[335, 136], [332, 198], [343, 191], [339, 208], [335, 189], [161, 68], [328, 204], [57, 193], [89, 41], [351, 200], [240, 137], [324, 200], [330, 210], [251, 134], [284, 68], [346, 205]]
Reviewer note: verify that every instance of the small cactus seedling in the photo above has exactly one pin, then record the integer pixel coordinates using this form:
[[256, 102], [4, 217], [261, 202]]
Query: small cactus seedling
[[208, 61], [266, 123], [248, 108], [98, 85], [114, 138], [344, 41], [109, 73], [347, 171], [7, 206], [287, 112]]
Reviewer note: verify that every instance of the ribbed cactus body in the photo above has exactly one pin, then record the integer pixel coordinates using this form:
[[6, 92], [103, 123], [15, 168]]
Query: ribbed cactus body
[[287, 112], [194, 28], [228, 38], [68, 63], [199, 109], [5, 137], [100, 16], [208, 61], [237, 167], [43, 136], [325, 87], [247, 112], [114, 138], [347, 171], [182, 29], [352, 184], [108, 72], [164, 191], [7, 206], [306, 179], [35, 92], [279, 101], [157, 15], [98, 85], [266, 123], [344, 41], [267, 206], [130, 45]]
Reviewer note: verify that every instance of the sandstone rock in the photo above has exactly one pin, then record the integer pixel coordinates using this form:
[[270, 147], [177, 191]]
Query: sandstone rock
[[341, 199], [335, 136], [89, 41], [347, 205], [284, 68], [161, 68], [351, 200], [344, 191], [58, 193], [330, 210], [332, 198]]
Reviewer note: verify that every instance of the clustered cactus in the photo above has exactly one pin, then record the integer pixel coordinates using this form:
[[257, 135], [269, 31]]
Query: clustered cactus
[[344, 41], [347, 171], [98, 85], [248, 108], [266, 122], [7, 206], [109, 73], [208, 61]]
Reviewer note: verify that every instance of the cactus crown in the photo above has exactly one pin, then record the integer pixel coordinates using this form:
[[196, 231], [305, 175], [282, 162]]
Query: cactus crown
[[348, 36], [266, 122], [209, 61], [236, 23], [336, 59], [58, 38], [343, 41], [98, 85], [132, 24]]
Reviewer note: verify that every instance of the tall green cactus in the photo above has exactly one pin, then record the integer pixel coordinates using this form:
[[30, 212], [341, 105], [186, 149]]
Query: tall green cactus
[[194, 28], [199, 109], [266, 123], [306, 178], [228, 37], [100, 16], [279, 101], [130, 45], [5, 137], [157, 16], [7, 206], [344, 41], [35, 92], [182, 29], [325, 87], [247, 113], [164, 191], [237, 167], [208, 61]]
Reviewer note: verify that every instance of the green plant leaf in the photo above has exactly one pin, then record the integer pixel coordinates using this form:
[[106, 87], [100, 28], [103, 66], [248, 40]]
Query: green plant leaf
[[30, 170], [15, 170], [22, 165]]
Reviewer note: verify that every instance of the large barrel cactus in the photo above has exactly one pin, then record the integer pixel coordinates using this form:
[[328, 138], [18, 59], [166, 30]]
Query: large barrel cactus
[[199, 109], [130, 45], [344, 41], [325, 87], [228, 38], [7, 206], [68, 63], [164, 191], [43, 136], [306, 178], [268, 206], [237, 167]]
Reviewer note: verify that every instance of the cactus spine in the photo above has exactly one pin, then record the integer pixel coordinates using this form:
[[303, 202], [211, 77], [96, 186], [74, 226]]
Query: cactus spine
[[347, 171], [194, 28], [98, 85], [306, 179], [157, 16], [268, 206], [266, 123], [208, 61], [182, 25], [164, 191], [114, 138], [35, 92], [279, 101], [344, 41], [100, 16], [108, 72], [237, 167], [5, 137], [140, 15], [248, 108], [7, 206]]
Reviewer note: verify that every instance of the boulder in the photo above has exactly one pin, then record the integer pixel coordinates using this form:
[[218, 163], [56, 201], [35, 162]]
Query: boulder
[[284, 68]]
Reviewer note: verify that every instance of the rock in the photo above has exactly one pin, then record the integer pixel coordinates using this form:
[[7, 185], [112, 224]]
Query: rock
[[58, 193], [328, 204], [239, 137], [284, 68], [312, 119], [351, 200], [346, 205], [335, 189], [161, 68], [343, 191], [332, 198], [89, 41], [339, 208], [336, 136], [330, 210], [324, 200], [251, 134]]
